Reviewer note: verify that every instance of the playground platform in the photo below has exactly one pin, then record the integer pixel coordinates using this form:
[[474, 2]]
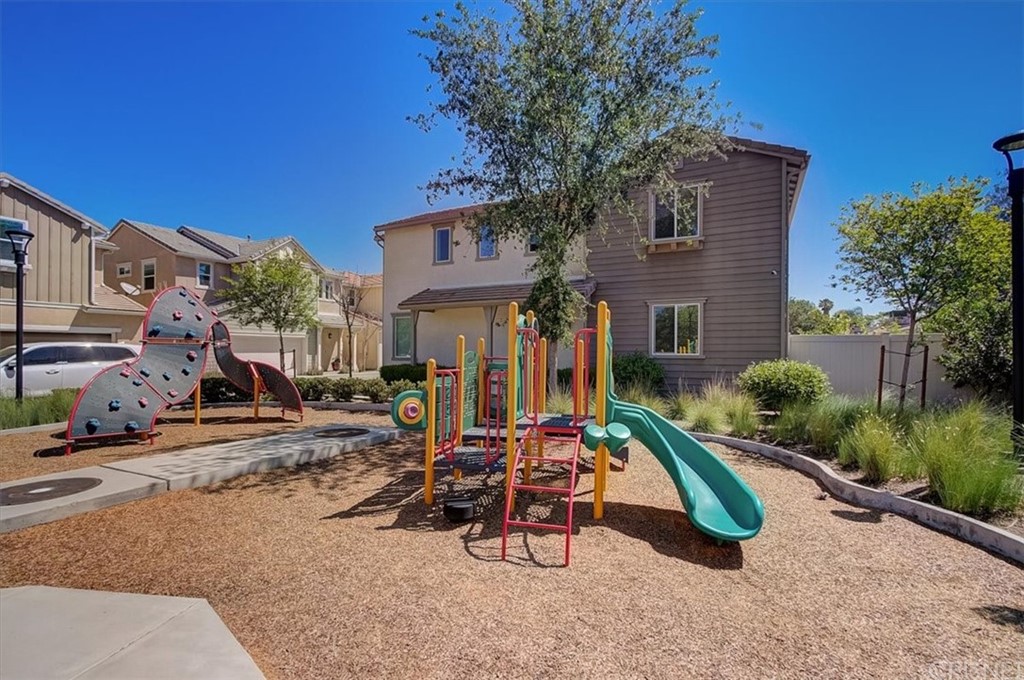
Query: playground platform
[[63, 633], [37, 500]]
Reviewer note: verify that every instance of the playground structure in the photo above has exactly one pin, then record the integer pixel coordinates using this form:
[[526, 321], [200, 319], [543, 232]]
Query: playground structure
[[124, 400], [488, 415]]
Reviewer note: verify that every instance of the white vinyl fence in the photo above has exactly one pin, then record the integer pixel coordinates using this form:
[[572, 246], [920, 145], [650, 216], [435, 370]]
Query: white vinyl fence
[[851, 362]]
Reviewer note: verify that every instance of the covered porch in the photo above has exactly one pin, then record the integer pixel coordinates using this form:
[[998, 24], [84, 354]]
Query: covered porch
[[330, 346], [437, 315]]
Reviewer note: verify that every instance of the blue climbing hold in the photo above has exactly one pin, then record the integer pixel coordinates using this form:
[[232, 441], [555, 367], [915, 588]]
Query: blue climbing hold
[[154, 331], [144, 372], [182, 293], [92, 425], [131, 426], [186, 371], [114, 405], [167, 376], [137, 382], [189, 334], [192, 302]]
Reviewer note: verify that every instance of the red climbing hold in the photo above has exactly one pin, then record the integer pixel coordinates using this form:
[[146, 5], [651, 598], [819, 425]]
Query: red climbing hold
[[172, 393], [125, 373], [143, 402], [177, 315], [199, 317]]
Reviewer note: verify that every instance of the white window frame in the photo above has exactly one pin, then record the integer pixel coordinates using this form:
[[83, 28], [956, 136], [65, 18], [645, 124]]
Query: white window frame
[[451, 244], [199, 280], [531, 248], [494, 243], [21, 224], [152, 261], [394, 336], [676, 304], [124, 270], [699, 188], [326, 284]]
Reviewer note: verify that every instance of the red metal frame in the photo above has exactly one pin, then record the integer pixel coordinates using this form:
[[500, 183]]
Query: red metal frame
[[448, 434]]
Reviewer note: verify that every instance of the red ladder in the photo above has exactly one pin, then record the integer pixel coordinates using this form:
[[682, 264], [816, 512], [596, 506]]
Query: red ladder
[[570, 492]]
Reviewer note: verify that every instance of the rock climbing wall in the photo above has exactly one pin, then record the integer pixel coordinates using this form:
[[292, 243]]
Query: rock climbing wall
[[126, 398]]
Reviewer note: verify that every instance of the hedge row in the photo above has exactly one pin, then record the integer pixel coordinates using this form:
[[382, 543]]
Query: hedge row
[[220, 389], [413, 372]]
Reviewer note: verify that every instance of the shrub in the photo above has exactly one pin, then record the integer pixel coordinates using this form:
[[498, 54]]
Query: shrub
[[706, 416], [564, 377], [412, 372], [791, 425], [52, 408], [784, 381], [399, 386], [375, 389], [342, 389], [636, 369], [218, 389], [313, 389], [968, 458], [875, 444], [832, 418], [645, 397]]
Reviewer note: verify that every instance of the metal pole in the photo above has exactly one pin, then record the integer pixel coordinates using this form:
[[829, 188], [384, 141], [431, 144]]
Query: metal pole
[[1017, 296], [19, 342], [881, 377], [924, 376]]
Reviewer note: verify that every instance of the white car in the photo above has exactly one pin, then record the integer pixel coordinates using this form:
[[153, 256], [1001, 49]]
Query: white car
[[53, 365]]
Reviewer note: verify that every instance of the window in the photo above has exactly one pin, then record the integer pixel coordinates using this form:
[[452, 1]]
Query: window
[[487, 248], [326, 289], [44, 355], [402, 332], [532, 244], [149, 275], [675, 329], [204, 274], [442, 245], [78, 354], [678, 219], [124, 270], [116, 353], [6, 247], [350, 299]]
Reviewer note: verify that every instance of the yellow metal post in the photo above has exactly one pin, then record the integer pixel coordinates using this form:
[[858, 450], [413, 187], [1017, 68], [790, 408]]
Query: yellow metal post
[[510, 403], [198, 403], [529, 389], [542, 404], [600, 409], [480, 383], [257, 387], [580, 399], [428, 480]]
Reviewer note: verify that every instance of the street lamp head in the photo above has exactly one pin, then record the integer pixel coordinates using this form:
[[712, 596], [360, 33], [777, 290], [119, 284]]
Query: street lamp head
[[1013, 142], [19, 239]]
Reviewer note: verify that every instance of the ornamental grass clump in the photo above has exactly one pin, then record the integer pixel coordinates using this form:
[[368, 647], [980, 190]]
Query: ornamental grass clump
[[967, 455], [791, 426], [876, 445], [645, 397], [832, 418]]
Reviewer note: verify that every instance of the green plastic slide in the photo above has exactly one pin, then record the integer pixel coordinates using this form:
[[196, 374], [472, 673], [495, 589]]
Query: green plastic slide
[[717, 501]]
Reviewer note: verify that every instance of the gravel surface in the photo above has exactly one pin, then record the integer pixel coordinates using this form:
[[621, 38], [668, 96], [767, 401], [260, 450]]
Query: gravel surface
[[41, 453], [338, 570]]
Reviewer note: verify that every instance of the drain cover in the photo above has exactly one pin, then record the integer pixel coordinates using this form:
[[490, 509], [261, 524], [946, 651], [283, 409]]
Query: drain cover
[[342, 432], [33, 492]]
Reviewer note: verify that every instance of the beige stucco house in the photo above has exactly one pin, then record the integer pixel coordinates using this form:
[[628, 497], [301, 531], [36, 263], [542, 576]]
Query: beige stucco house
[[702, 288], [151, 258], [65, 295]]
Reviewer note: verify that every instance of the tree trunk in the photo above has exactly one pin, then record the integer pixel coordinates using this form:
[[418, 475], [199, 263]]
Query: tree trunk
[[351, 352], [552, 377], [280, 341], [906, 359]]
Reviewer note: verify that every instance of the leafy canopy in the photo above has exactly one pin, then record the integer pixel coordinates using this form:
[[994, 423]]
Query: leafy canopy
[[564, 108], [276, 291]]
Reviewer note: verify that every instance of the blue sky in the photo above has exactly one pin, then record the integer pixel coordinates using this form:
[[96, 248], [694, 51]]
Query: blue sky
[[267, 118]]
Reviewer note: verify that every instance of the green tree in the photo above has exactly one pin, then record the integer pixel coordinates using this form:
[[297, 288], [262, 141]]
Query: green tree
[[565, 108], [977, 328], [278, 292], [909, 250], [804, 317]]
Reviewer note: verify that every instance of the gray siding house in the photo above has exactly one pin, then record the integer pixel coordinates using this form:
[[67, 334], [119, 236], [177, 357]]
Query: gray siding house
[[708, 297], [702, 289]]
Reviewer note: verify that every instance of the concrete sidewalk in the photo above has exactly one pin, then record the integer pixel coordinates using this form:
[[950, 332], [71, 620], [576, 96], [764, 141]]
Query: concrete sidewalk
[[61, 633], [27, 502]]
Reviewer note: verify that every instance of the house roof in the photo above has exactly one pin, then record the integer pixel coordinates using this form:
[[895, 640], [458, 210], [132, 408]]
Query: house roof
[[175, 241], [46, 198], [108, 298], [429, 299], [796, 158]]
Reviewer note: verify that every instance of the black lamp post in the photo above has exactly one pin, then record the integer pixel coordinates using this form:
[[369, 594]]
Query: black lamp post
[[1015, 142], [19, 239]]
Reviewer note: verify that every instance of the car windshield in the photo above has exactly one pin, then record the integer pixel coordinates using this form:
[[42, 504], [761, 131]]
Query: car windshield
[[6, 353]]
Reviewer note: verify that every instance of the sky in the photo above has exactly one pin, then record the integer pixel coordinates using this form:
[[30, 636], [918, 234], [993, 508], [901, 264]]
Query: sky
[[265, 119]]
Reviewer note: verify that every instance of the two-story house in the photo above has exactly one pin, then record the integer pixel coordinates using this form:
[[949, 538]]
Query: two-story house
[[151, 258], [65, 296], [702, 287]]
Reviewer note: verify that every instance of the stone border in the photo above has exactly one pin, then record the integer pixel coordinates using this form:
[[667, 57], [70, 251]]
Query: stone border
[[354, 406], [966, 528]]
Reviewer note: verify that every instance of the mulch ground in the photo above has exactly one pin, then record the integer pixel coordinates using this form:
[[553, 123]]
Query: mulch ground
[[42, 453], [339, 570]]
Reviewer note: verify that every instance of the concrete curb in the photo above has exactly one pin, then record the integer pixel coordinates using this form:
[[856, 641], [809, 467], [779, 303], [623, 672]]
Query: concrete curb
[[62, 425], [966, 528]]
